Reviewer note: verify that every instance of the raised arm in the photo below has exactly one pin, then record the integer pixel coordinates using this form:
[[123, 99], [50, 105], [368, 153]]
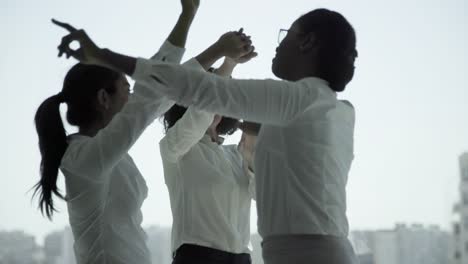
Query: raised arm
[[103, 151], [174, 48], [262, 101], [178, 35], [192, 126]]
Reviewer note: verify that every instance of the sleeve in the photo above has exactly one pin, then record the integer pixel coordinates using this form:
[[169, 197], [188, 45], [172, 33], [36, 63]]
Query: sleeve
[[169, 53], [97, 155], [188, 130], [262, 101]]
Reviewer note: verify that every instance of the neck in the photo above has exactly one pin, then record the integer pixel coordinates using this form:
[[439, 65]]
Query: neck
[[91, 130], [299, 74]]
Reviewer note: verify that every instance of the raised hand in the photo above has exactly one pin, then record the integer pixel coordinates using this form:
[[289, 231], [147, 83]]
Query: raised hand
[[235, 44], [190, 6], [87, 53]]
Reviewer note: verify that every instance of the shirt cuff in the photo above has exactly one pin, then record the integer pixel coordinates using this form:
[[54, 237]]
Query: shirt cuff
[[142, 69], [170, 53]]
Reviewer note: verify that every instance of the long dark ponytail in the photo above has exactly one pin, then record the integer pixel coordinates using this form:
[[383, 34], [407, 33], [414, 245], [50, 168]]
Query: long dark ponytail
[[52, 145], [80, 88]]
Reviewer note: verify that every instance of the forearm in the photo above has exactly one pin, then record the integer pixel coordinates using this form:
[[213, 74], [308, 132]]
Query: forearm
[[178, 35], [185, 133], [261, 101], [250, 128], [208, 57], [226, 69], [117, 62]]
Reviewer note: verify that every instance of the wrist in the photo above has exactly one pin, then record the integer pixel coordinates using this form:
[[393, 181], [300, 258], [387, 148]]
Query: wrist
[[100, 55], [217, 50], [228, 62], [188, 14]]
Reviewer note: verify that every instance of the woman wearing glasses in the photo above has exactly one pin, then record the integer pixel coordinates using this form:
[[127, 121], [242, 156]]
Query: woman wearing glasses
[[305, 146]]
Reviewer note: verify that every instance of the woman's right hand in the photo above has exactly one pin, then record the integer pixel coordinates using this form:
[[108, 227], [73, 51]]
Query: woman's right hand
[[87, 53]]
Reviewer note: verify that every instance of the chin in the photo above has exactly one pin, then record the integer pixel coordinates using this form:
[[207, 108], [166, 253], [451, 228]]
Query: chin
[[276, 70], [274, 67]]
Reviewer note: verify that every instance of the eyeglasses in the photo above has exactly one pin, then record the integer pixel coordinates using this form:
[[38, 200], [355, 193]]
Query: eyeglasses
[[284, 32]]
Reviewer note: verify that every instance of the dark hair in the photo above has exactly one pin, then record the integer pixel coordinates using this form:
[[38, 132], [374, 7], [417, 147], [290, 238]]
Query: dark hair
[[337, 45], [80, 88], [227, 126]]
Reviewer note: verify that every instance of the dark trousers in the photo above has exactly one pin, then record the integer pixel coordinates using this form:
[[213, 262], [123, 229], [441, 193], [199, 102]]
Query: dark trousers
[[307, 249], [193, 254]]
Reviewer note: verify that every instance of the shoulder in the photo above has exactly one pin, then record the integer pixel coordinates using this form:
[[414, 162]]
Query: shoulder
[[347, 103]]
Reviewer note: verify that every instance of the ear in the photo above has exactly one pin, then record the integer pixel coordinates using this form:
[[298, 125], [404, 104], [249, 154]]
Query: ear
[[103, 99], [308, 43]]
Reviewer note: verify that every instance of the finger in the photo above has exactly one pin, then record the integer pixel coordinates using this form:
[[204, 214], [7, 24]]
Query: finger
[[253, 55], [248, 48], [245, 37], [65, 50], [240, 31], [70, 53], [78, 35], [64, 46], [62, 49], [66, 26], [66, 40]]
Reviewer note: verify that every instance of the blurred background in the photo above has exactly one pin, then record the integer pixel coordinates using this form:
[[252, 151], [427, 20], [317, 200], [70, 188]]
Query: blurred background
[[408, 187]]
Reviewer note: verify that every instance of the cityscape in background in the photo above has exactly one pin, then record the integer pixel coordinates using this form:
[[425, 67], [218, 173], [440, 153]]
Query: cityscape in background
[[404, 244]]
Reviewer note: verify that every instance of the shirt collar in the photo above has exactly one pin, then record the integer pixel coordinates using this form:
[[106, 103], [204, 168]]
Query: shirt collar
[[207, 139], [321, 82]]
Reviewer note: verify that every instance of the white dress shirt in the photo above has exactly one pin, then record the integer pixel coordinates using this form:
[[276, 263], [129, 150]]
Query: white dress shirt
[[104, 189], [304, 149], [209, 190]]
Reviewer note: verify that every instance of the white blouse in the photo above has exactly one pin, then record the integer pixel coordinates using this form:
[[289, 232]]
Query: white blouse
[[304, 149], [104, 189], [210, 192]]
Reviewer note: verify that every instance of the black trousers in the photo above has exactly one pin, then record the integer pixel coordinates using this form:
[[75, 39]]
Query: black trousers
[[193, 254]]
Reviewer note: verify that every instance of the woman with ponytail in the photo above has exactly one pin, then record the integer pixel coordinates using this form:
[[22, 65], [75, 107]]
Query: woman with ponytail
[[104, 189], [305, 146]]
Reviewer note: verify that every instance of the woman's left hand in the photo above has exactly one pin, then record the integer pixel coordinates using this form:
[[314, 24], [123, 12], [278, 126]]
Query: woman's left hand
[[190, 6], [87, 53]]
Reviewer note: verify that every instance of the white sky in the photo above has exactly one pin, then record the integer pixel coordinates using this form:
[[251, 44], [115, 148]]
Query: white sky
[[410, 94]]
